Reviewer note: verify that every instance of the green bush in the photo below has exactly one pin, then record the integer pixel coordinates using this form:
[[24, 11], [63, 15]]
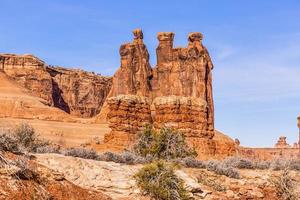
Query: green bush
[[159, 181], [165, 144]]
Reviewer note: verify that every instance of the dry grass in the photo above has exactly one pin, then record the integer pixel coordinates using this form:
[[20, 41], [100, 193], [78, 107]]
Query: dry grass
[[23, 139], [285, 186]]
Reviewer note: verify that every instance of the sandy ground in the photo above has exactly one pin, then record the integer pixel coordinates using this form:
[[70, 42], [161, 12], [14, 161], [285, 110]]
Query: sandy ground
[[63, 133]]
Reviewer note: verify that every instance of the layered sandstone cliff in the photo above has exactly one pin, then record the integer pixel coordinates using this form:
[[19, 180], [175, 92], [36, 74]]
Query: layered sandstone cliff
[[178, 91], [76, 92], [128, 114], [16, 102]]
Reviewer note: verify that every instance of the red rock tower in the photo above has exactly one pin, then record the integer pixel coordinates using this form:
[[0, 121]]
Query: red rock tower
[[176, 93]]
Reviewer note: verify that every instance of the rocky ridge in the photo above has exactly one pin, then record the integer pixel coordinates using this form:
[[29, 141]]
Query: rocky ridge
[[74, 91]]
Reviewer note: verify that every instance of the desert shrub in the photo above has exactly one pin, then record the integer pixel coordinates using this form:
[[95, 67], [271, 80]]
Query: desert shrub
[[81, 153], [164, 144], [124, 157], [212, 182], [282, 164], [159, 181], [8, 143], [21, 139], [145, 142], [260, 164], [279, 164], [24, 172], [294, 165], [48, 149], [285, 186], [191, 162], [238, 162], [222, 169]]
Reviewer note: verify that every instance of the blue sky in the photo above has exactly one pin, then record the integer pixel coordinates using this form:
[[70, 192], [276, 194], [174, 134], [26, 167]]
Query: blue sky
[[255, 47]]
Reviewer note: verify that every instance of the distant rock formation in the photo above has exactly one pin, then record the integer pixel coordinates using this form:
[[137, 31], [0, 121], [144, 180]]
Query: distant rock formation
[[281, 143], [178, 91], [76, 92]]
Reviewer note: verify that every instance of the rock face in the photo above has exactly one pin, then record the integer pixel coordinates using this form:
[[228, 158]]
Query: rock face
[[225, 146], [178, 89], [39, 182], [116, 180], [30, 72], [128, 115], [133, 77], [73, 91], [16, 102], [184, 72], [282, 143], [78, 92]]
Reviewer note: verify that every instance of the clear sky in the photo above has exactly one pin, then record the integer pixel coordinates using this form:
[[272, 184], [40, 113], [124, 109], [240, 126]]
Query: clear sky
[[254, 44]]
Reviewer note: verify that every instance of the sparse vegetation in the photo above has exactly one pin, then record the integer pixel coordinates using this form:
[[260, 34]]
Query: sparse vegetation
[[24, 172], [124, 157], [165, 144], [212, 182], [240, 163], [191, 163], [285, 186], [82, 153], [22, 139], [222, 169], [159, 181]]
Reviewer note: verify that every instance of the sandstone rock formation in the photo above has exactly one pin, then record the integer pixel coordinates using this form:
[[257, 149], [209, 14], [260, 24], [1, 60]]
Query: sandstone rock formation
[[30, 72], [38, 182], [184, 72], [225, 146], [128, 115], [16, 102], [73, 91], [78, 92], [281, 143], [178, 90], [133, 77]]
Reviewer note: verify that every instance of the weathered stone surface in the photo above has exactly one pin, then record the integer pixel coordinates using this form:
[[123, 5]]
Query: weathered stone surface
[[179, 89], [38, 182], [184, 71], [30, 72], [129, 114], [17, 102], [225, 146], [134, 74], [78, 92], [73, 91], [187, 114], [116, 180]]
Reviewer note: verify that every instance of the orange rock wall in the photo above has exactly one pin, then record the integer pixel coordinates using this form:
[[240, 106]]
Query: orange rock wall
[[73, 91], [128, 115]]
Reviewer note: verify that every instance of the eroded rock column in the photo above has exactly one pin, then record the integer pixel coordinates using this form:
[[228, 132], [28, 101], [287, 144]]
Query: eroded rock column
[[128, 108]]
